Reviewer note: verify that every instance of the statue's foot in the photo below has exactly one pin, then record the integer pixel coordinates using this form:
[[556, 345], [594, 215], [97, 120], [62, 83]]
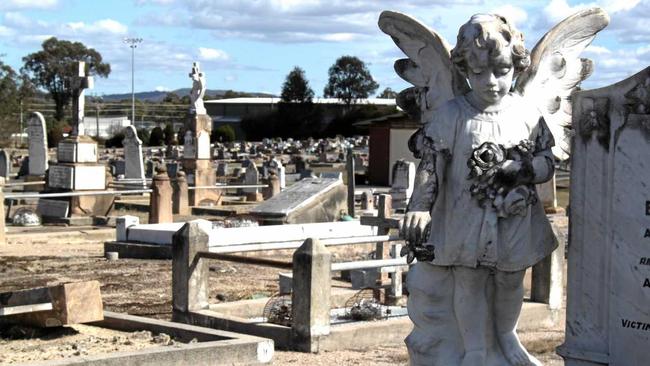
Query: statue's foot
[[474, 358], [515, 353]]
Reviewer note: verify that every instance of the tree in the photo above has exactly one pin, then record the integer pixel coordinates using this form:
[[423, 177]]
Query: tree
[[388, 93], [52, 67], [223, 133], [9, 101], [296, 87], [349, 80], [169, 134], [157, 137]]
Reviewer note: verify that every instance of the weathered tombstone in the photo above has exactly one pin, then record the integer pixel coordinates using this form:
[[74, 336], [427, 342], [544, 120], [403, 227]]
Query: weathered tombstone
[[189, 148], [252, 176], [160, 201], [133, 162], [222, 169], [311, 295], [5, 164], [37, 144], [180, 203], [608, 322], [403, 182], [150, 167], [308, 200]]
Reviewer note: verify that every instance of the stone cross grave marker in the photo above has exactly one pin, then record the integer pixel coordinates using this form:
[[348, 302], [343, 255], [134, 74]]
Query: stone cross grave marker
[[134, 165], [37, 144], [78, 85]]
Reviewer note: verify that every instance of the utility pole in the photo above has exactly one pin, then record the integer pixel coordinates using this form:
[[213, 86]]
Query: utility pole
[[21, 122], [97, 118], [133, 43]]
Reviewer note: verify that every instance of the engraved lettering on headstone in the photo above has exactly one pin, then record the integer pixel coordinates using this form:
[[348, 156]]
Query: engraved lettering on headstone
[[646, 283]]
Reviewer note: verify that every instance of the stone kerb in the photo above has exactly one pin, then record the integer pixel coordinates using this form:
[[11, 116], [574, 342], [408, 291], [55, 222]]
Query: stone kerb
[[311, 295], [189, 271]]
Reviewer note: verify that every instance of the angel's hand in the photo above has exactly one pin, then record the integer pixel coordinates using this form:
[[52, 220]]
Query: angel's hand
[[414, 224]]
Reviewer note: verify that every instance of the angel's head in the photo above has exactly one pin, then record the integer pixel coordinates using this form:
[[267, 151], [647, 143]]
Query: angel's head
[[490, 52]]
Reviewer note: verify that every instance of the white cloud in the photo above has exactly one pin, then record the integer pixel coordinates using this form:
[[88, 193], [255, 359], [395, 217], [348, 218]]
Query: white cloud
[[282, 21], [514, 14], [27, 4], [230, 78], [110, 26], [212, 54], [162, 88], [6, 32], [598, 50]]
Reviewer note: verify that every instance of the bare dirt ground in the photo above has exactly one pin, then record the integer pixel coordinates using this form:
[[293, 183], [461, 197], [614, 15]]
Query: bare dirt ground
[[143, 287]]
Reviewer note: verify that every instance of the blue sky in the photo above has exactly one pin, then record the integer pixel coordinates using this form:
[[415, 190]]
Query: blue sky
[[251, 45]]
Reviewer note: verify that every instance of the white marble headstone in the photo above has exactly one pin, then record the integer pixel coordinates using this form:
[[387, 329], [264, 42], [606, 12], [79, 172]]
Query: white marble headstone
[[134, 163], [37, 136]]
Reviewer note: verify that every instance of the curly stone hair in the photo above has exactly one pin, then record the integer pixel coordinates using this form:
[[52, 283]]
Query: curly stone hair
[[480, 31]]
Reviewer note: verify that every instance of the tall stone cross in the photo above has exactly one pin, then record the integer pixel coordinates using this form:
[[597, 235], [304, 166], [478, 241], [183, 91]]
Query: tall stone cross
[[198, 90], [78, 85]]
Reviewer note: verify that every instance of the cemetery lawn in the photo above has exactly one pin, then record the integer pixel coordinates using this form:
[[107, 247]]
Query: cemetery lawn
[[143, 287]]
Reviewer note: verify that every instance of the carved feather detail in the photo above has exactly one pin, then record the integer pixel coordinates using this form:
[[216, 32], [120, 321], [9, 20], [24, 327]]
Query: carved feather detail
[[556, 70]]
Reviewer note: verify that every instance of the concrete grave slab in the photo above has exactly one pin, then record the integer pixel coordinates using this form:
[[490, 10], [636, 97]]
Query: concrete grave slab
[[309, 200]]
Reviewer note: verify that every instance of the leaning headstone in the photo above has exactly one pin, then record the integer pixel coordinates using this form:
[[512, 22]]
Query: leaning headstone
[[308, 200], [608, 290], [134, 168], [37, 144], [403, 182], [5, 164]]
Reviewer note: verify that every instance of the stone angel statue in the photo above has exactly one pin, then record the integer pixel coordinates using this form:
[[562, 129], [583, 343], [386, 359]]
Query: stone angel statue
[[493, 117], [198, 90]]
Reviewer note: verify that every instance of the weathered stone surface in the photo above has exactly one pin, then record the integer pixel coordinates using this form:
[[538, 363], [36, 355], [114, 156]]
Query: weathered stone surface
[[309, 200], [5, 164], [77, 177], [160, 201], [180, 196], [37, 144], [189, 273], [311, 294], [72, 303], [122, 225], [53, 208], [133, 161], [608, 318]]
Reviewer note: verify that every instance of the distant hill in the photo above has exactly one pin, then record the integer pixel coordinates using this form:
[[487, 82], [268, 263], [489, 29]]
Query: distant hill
[[158, 96]]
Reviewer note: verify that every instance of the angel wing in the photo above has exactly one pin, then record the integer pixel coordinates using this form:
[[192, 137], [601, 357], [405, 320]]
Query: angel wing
[[556, 70], [428, 66]]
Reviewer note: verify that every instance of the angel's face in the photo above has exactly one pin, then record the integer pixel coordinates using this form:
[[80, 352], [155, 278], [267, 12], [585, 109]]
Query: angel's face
[[490, 76]]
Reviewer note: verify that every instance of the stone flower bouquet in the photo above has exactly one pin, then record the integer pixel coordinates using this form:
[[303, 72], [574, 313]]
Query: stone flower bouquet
[[504, 192]]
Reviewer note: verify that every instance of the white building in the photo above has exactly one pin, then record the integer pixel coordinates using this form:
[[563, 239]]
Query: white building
[[108, 126]]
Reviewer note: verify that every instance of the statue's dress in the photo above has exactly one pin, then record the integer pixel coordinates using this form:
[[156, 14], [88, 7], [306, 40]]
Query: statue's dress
[[463, 232], [466, 234]]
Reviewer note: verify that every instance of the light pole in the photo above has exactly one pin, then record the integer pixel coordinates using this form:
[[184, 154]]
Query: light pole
[[133, 43]]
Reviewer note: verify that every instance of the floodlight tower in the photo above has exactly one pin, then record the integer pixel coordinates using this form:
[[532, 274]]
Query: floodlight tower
[[133, 43]]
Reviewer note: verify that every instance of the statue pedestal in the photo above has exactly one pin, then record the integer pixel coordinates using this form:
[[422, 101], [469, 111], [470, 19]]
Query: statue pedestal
[[77, 170], [197, 160]]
